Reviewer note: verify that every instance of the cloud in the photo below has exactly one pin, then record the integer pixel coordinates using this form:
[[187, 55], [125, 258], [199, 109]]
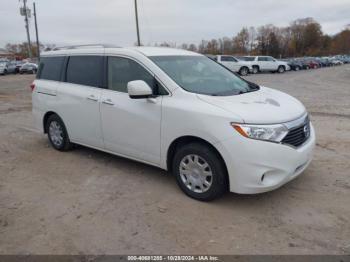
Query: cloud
[[112, 21]]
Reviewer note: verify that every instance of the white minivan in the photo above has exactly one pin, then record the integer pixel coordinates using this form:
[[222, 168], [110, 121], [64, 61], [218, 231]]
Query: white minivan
[[176, 110]]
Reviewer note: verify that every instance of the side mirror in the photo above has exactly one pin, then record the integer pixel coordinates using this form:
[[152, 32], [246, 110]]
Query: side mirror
[[139, 89]]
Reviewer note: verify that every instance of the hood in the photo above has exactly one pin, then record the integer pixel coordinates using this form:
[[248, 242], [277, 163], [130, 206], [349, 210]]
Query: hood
[[265, 106]]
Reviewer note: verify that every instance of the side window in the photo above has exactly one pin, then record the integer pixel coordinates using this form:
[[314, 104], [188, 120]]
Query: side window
[[227, 59], [50, 68], [85, 70], [262, 59], [270, 59], [123, 70]]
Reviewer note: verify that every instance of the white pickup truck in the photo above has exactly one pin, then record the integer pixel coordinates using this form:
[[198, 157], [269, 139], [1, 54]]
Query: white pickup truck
[[234, 64], [266, 63]]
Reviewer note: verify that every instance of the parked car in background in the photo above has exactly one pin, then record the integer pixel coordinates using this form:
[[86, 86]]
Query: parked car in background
[[3, 67], [28, 68], [234, 64], [18, 65], [267, 63], [305, 64], [313, 64], [324, 62], [294, 64], [336, 61], [11, 67], [234, 135]]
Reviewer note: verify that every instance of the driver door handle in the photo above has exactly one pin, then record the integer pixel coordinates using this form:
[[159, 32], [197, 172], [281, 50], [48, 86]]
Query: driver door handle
[[108, 102]]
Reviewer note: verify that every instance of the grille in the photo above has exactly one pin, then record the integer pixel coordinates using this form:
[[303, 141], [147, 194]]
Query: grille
[[297, 136]]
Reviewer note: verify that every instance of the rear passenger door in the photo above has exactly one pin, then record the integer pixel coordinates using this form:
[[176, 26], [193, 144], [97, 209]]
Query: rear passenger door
[[79, 99], [263, 63], [131, 127], [273, 65]]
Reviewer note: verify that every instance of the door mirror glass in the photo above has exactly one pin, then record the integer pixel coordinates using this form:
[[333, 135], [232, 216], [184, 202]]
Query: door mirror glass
[[139, 89]]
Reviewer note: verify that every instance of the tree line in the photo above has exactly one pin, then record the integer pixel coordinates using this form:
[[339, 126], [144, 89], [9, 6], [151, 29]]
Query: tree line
[[303, 37]]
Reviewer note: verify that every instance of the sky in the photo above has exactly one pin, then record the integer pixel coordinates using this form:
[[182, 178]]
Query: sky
[[64, 22]]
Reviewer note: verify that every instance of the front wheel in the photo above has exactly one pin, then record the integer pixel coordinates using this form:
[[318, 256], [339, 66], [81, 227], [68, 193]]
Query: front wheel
[[199, 172], [243, 71], [57, 134]]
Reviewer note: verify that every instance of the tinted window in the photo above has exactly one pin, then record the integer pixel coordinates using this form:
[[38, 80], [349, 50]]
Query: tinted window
[[260, 58], [249, 58], [227, 59], [85, 70], [123, 70], [50, 68], [269, 59]]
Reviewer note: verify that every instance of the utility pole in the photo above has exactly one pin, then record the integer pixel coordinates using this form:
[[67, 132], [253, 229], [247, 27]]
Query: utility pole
[[36, 32], [25, 14], [137, 24]]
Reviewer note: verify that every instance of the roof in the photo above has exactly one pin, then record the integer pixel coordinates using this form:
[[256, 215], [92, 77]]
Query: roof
[[163, 51], [147, 51]]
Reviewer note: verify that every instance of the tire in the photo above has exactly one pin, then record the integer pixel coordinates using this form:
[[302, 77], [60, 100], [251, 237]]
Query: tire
[[243, 71], [57, 133], [297, 68], [281, 69], [5, 72], [201, 183], [255, 69]]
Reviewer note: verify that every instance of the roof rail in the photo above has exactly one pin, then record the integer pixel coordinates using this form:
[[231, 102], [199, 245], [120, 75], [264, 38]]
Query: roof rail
[[85, 46]]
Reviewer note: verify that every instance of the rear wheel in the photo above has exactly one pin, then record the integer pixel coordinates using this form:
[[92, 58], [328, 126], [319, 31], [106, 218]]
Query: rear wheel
[[57, 133], [281, 69], [199, 172], [244, 71], [255, 69]]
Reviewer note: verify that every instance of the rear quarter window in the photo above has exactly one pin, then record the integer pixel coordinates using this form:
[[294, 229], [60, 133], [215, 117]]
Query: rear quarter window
[[50, 68]]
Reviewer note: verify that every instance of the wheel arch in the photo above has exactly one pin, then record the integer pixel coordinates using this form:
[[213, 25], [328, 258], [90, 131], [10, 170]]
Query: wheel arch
[[190, 139], [46, 117]]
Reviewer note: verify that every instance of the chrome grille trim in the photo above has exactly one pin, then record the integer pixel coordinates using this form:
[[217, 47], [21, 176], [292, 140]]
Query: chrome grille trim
[[299, 132]]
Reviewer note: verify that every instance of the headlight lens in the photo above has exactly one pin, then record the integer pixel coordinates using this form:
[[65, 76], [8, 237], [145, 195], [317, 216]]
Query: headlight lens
[[274, 133]]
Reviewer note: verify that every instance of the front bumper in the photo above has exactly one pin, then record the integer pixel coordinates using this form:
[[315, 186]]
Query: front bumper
[[256, 166]]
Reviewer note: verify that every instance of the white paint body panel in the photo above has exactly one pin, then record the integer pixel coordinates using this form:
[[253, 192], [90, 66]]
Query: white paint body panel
[[144, 129], [235, 65]]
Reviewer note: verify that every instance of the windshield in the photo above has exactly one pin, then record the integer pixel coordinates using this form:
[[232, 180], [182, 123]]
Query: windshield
[[201, 75]]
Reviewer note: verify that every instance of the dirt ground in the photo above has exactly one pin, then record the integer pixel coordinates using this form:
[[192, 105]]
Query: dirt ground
[[89, 202]]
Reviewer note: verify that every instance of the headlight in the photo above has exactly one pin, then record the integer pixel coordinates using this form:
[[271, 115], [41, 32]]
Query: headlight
[[274, 133]]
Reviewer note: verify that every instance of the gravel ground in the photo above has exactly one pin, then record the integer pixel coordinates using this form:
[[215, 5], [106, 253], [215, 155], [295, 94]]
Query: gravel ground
[[89, 202]]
